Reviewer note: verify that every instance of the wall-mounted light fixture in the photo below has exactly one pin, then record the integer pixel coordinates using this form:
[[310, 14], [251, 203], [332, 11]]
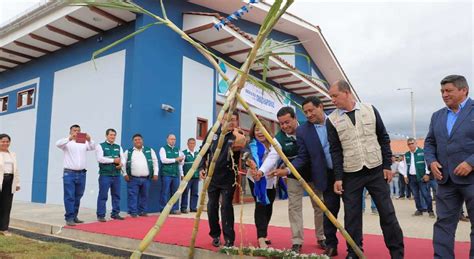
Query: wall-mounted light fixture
[[167, 107]]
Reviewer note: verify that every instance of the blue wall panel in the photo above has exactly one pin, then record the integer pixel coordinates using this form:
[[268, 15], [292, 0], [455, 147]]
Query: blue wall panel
[[44, 68]]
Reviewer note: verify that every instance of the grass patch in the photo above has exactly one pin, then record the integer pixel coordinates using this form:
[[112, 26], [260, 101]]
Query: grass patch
[[22, 247]]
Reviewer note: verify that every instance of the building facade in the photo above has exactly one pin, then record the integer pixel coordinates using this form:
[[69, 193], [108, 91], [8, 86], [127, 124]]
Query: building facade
[[48, 81]]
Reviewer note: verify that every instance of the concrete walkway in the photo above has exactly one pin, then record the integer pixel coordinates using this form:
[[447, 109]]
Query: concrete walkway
[[48, 219]]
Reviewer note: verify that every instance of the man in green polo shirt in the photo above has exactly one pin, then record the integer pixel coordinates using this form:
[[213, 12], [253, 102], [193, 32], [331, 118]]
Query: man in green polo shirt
[[171, 172], [109, 155]]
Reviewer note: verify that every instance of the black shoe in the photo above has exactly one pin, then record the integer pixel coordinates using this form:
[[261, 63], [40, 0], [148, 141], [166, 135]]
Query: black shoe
[[418, 213], [185, 211], [216, 242], [296, 248], [134, 215], [78, 221], [101, 219], [143, 214], [330, 251], [268, 241], [193, 211], [431, 214], [118, 217], [175, 212], [229, 243], [352, 257], [70, 223], [322, 243]]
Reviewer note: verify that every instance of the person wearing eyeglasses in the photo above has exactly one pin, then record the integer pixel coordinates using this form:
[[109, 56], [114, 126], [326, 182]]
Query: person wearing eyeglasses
[[418, 175]]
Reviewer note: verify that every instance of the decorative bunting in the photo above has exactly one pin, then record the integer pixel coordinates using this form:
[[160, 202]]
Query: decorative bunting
[[235, 15]]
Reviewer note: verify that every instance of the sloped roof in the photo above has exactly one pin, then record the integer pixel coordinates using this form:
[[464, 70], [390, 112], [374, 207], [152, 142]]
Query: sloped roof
[[399, 146]]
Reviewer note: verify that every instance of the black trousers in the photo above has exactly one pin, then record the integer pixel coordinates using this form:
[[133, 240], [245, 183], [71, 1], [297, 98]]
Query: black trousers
[[6, 199], [333, 203], [227, 212], [263, 213], [373, 180]]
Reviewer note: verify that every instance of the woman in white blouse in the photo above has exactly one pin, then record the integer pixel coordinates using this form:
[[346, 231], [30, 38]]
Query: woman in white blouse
[[9, 182], [262, 186]]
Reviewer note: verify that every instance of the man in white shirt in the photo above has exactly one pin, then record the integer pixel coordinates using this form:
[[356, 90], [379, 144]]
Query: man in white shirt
[[171, 171], [110, 157], [141, 165], [74, 176]]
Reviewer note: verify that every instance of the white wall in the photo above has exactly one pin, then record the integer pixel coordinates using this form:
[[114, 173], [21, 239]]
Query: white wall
[[197, 98], [21, 126], [93, 99]]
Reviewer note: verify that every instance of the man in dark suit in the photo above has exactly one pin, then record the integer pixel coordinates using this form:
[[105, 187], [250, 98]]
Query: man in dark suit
[[313, 151], [449, 150]]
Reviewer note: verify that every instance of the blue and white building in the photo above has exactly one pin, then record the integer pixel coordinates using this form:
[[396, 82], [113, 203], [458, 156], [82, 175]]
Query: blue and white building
[[48, 81]]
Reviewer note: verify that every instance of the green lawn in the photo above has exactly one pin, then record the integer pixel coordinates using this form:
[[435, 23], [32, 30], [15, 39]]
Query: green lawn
[[21, 247]]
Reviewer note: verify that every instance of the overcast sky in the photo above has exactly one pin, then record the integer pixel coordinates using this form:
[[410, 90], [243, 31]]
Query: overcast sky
[[383, 46]]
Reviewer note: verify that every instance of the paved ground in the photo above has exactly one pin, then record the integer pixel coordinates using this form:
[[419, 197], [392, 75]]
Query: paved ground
[[420, 227]]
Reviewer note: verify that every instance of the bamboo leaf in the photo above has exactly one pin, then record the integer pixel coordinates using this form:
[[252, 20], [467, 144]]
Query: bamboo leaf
[[163, 10]]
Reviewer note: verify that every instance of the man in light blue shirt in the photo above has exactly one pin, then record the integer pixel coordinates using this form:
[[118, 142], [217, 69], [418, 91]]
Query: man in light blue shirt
[[449, 151], [323, 138], [453, 116]]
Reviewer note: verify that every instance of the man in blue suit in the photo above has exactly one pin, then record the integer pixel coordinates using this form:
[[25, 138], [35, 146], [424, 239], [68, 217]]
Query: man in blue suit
[[313, 152], [449, 150]]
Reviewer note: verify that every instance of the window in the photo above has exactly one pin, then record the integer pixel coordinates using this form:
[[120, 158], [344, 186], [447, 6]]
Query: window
[[201, 128], [25, 98], [3, 103]]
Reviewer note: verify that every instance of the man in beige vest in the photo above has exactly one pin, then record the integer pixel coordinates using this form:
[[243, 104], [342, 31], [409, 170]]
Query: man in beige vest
[[361, 155]]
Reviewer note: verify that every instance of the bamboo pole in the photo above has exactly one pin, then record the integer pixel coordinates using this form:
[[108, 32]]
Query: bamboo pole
[[166, 210], [210, 172], [305, 185], [241, 80]]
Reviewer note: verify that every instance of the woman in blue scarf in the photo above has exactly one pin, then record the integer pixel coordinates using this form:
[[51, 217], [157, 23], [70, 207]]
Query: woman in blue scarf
[[262, 187]]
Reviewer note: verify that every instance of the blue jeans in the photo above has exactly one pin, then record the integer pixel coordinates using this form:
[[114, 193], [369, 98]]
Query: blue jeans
[[193, 186], [420, 191], [106, 183], [372, 203], [169, 186], [395, 186], [137, 194], [405, 190], [433, 185], [74, 183]]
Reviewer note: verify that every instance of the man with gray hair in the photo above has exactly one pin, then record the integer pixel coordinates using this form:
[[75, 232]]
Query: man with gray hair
[[361, 156], [449, 151]]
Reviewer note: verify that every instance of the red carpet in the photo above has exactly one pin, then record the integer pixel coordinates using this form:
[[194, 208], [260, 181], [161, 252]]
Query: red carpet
[[177, 231]]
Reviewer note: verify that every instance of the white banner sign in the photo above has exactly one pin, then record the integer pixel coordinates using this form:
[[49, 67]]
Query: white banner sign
[[257, 97]]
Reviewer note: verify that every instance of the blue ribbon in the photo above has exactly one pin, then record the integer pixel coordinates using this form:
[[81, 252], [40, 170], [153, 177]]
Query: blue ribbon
[[235, 15], [257, 150]]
